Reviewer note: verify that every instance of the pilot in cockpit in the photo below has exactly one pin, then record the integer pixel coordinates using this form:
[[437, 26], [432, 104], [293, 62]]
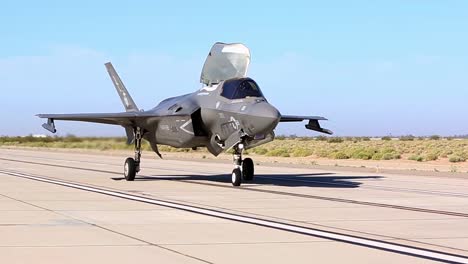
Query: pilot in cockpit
[[240, 88]]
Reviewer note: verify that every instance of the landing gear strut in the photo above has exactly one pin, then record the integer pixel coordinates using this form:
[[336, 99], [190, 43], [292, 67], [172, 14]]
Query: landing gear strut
[[243, 169], [132, 165]]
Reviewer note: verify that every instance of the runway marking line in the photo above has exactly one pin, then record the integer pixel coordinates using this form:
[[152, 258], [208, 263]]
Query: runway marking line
[[333, 199], [355, 240], [376, 187]]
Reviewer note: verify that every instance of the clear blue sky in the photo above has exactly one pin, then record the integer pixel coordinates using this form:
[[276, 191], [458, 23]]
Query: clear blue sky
[[371, 67]]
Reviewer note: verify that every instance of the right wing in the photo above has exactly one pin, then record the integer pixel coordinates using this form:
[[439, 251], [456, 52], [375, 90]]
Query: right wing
[[125, 119], [312, 125]]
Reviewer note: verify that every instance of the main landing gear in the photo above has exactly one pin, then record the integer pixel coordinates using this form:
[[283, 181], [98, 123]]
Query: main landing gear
[[243, 168], [132, 165]]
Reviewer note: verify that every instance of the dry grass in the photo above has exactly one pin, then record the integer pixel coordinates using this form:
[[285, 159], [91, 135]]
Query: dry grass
[[431, 149], [417, 149]]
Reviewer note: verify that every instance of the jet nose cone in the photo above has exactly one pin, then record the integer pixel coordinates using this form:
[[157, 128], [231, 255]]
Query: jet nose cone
[[265, 110], [270, 112], [266, 117]]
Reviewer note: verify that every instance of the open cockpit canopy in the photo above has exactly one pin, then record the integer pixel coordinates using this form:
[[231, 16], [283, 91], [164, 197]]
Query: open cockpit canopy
[[224, 62]]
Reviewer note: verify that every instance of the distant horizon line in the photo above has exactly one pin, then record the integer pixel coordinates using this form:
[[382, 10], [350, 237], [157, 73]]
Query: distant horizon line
[[279, 135]]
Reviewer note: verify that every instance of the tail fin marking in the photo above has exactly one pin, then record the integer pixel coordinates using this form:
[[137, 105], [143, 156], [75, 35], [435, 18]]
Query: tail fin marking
[[127, 100]]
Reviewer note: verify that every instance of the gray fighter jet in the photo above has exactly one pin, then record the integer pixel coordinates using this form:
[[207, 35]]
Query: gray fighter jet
[[228, 112]]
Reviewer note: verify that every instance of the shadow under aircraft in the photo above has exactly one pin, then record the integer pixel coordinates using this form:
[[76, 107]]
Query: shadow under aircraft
[[318, 180]]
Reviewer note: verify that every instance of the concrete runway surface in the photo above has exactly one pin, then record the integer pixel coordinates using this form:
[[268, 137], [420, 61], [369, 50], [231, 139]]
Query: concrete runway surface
[[58, 207]]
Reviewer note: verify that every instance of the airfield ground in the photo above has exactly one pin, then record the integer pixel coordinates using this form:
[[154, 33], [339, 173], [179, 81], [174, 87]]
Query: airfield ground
[[58, 206], [401, 154]]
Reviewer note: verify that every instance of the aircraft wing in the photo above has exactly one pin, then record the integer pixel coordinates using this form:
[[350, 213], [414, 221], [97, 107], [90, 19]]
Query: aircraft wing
[[123, 119], [312, 125]]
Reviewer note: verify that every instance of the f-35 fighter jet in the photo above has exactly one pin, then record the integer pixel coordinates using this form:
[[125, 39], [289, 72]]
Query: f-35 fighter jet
[[228, 112]]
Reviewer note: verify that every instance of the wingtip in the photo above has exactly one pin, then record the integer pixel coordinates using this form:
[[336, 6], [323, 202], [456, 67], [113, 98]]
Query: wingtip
[[321, 118]]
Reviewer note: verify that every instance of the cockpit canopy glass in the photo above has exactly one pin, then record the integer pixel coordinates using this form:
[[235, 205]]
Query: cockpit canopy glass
[[240, 88]]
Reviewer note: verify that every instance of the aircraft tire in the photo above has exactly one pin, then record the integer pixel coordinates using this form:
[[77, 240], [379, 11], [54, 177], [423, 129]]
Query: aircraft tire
[[247, 169], [236, 178], [130, 169]]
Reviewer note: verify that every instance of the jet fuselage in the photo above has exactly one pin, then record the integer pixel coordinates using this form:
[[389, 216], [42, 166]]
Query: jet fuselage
[[210, 118]]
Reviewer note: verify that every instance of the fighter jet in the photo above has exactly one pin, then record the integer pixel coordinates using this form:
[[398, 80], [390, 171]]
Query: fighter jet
[[228, 112]]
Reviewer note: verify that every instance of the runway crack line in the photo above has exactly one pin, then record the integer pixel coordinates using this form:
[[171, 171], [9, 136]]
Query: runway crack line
[[374, 187], [332, 199], [101, 227], [355, 240]]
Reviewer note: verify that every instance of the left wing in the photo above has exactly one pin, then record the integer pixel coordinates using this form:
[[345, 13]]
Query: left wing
[[312, 125]]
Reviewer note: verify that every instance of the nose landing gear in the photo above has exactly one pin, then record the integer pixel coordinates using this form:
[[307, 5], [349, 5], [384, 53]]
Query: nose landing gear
[[243, 169]]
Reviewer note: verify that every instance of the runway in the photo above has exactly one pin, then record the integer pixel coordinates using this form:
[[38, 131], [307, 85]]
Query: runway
[[57, 206]]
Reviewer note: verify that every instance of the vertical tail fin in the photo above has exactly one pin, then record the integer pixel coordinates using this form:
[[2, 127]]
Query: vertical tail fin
[[127, 100]]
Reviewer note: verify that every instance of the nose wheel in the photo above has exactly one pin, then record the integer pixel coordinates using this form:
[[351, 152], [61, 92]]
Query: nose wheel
[[236, 178], [132, 165], [243, 168]]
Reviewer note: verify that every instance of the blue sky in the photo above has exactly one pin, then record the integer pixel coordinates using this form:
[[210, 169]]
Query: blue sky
[[371, 67]]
